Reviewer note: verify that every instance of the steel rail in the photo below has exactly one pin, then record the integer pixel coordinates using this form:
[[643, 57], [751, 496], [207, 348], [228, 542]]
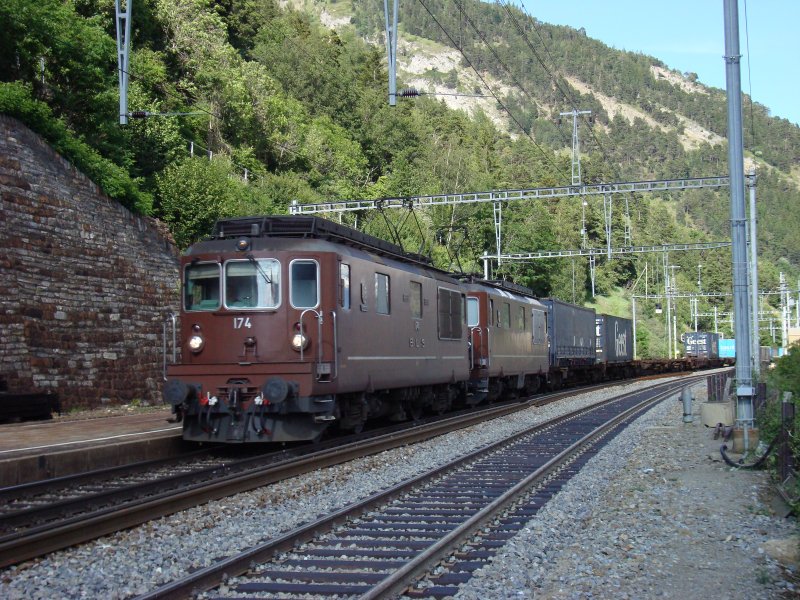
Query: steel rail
[[209, 577], [50, 537], [397, 582]]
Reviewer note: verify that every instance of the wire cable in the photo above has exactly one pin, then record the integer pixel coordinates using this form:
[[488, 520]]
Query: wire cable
[[485, 83], [749, 78]]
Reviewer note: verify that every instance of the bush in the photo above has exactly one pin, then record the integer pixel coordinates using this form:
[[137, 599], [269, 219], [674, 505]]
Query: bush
[[16, 101]]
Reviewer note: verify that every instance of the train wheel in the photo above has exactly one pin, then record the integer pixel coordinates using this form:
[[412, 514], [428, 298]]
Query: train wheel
[[354, 412], [442, 401], [414, 410]]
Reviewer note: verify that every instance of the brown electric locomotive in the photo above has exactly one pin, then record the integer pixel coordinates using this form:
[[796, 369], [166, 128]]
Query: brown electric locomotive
[[508, 339], [290, 324]]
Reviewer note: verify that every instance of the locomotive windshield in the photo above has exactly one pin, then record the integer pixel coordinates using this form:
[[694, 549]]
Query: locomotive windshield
[[252, 283], [201, 287]]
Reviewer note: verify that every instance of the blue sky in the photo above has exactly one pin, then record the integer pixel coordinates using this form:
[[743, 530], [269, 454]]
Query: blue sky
[[689, 35]]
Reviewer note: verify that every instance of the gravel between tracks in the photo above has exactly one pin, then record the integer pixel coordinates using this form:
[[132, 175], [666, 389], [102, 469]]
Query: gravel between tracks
[[672, 522]]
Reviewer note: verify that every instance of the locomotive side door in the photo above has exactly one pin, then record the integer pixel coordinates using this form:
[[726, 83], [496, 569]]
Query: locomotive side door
[[314, 284]]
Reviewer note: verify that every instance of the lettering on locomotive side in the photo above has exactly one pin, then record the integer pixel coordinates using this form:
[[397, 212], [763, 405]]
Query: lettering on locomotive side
[[620, 341], [416, 342]]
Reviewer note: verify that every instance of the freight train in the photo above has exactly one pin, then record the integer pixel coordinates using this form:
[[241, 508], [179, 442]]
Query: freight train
[[292, 325]]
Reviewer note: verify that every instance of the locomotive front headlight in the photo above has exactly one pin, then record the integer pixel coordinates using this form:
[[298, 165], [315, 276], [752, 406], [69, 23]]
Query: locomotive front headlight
[[299, 341], [196, 343]]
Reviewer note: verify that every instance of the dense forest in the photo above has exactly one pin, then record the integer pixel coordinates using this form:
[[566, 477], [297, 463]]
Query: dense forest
[[253, 104]]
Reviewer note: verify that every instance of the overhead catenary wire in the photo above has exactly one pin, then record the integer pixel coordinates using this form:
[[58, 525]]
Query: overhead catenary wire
[[749, 77], [485, 83], [567, 96]]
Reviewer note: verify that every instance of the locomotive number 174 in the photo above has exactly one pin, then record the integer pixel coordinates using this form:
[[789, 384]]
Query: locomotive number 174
[[239, 322]]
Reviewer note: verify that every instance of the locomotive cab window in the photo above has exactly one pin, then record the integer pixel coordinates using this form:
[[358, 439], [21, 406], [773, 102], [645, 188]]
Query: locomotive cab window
[[473, 316], [304, 283], [252, 283], [381, 294], [201, 287]]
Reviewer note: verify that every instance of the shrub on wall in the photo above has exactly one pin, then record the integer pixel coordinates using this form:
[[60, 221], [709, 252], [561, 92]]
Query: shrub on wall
[[16, 101]]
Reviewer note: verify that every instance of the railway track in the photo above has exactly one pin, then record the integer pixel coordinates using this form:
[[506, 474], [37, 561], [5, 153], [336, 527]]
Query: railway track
[[434, 529], [45, 516]]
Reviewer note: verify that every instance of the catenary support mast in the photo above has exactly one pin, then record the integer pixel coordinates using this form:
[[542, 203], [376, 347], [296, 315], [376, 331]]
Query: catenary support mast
[[741, 304]]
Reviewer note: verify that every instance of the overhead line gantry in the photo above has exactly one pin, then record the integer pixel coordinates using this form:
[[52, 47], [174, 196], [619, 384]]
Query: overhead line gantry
[[498, 197]]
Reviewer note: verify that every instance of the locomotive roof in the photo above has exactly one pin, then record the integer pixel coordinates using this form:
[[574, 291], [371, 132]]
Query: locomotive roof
[[501, 284], [312, 227]]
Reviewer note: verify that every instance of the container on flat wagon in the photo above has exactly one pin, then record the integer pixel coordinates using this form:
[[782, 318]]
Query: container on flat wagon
[[614, 339], [727, 348], [701, 344], [572, 333]]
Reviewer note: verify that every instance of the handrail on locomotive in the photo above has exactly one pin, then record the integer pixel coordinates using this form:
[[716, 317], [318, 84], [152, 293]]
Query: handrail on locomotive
[[171, 317]]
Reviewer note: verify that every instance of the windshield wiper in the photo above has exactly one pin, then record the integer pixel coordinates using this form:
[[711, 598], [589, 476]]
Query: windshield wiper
[[260, 269]]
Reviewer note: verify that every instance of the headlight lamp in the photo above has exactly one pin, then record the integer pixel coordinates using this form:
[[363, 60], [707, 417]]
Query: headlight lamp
[[299, 340], [196, 343]]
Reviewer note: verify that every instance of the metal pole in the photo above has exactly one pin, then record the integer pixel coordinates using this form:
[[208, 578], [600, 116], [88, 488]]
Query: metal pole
[[784, 313], [391, 49], [754, 338], [498, 224], [669, 312], [123, 22], [634, 327], [744, 379]]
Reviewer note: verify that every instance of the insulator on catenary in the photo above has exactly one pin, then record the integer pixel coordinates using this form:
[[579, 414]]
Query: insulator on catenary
[[409, 93], [138, 114]]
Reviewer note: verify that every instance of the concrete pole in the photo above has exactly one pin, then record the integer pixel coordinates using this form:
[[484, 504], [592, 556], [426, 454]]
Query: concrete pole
[[744, 379]]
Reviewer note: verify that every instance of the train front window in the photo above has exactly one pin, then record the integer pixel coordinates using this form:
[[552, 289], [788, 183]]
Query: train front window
[[201, 287], [303, 284], [252, 283]]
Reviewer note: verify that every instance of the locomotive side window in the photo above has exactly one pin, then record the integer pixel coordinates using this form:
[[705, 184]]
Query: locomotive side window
[[490, 316], [252, 283], [521, 318], [473, 317], [381, 293], [416, 300], [344, 286], [539, 326], [303, 284], [201, 287], [505, 316], [450, 314]]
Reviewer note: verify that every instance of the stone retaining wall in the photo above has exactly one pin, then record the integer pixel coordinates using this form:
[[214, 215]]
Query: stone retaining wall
[[86, 284]]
